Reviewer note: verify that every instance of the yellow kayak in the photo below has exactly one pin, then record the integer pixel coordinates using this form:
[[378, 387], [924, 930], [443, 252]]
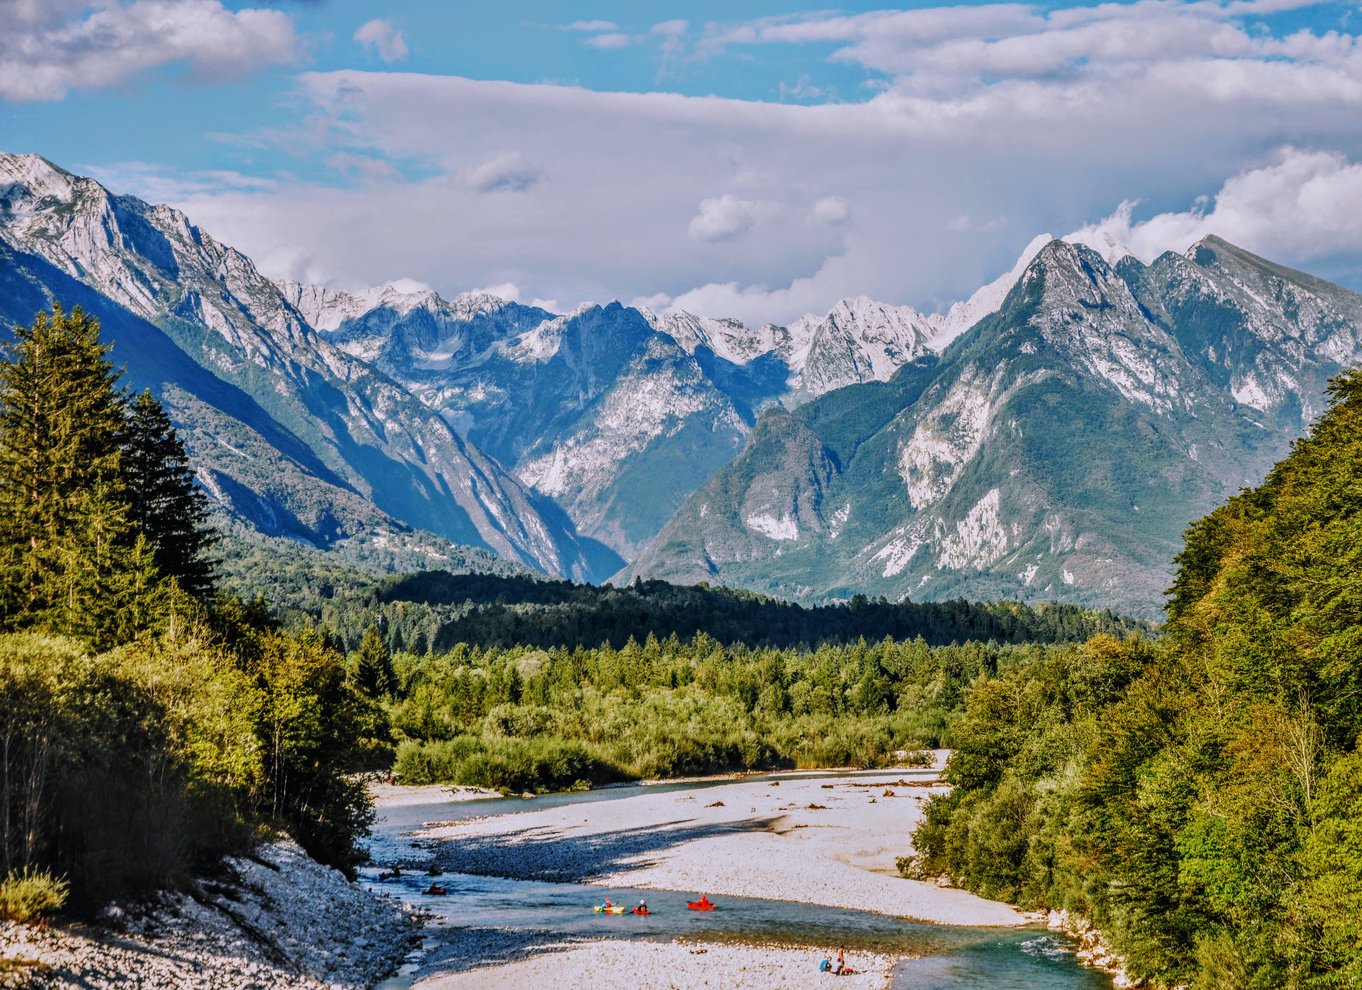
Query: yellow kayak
[[612, 909]]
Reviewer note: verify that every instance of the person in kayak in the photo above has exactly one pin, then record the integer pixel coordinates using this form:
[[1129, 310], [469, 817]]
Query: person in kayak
[[642, 908]]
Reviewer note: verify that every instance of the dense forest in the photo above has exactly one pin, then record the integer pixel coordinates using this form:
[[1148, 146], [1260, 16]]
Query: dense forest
[[1200, 797], [529, 719], [148, 724], [435, 611]]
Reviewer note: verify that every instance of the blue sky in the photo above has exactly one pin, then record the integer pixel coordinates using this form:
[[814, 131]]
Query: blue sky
[[751, 159]]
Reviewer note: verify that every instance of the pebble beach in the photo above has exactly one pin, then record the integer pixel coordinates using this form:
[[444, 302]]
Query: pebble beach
[[815, 840]]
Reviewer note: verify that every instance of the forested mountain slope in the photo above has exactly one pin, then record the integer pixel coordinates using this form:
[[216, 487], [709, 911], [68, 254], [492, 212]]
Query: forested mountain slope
[[1200, 798]]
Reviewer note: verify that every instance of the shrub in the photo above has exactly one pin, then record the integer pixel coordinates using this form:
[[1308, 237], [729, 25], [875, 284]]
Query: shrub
[[29, 894]]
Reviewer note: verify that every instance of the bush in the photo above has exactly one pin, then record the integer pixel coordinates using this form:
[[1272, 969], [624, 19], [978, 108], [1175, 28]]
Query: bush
[[30, 894]]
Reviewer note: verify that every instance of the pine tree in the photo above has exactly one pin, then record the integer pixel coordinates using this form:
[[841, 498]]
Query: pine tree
[[166, 505], [374, 673], [66, 541]]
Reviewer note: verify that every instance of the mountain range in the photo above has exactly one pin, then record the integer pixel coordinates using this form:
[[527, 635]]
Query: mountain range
[[1050, 437]]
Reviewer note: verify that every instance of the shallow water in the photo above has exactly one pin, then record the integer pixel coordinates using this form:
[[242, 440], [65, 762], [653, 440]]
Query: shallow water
[[952, 958]]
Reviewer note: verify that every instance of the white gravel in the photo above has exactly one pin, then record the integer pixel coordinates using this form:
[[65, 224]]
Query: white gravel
[[616, 965], [284, 922], [818, 841]]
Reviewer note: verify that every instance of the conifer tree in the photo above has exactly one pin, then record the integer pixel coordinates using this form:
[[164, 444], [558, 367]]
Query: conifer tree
[[165, 504], [374, 673], [66, 542]]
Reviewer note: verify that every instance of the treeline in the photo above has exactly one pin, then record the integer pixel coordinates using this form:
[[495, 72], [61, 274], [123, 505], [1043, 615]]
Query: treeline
[[1199, 798], [530, 719], [147, 724], [432, 612]]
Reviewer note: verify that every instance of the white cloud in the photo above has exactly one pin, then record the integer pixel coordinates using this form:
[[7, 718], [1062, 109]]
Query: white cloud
[[508, 291], [611, 40], [505, 173], [831, 210], [723, 218], [408, 286], [48, 49], [383, 38], [591, 26], [670, 29], [994, 123], [1303, 205]]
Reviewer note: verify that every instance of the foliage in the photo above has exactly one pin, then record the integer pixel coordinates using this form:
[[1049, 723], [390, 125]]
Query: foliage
[[165, 504], [146, 728], [433, 611], [28, 895], [1198, 798], [531, 719]]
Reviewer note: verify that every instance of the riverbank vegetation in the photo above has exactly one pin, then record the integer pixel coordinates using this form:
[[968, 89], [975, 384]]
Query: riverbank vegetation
[[532, 719], [1198, 798], [147, 724]]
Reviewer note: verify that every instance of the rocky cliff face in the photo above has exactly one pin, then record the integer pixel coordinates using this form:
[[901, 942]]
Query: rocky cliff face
[[289, 431], [1050, 437], [1056, 450]]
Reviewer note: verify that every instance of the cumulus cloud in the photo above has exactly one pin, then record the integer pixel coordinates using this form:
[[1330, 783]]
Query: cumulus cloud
[[50, 47], [505, 173], [1301, 206], [723, 218], [382, 38], [993, 123], [831, 210]]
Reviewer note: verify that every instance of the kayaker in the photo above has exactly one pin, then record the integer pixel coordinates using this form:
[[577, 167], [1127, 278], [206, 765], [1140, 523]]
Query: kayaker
[[642, 907]]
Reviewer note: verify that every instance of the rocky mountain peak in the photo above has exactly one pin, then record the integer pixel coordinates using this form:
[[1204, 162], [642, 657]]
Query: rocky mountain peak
[[29, 180]]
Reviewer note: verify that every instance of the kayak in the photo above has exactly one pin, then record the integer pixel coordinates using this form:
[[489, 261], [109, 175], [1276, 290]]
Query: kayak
[[700, 905], [640, 911], [612, 909]]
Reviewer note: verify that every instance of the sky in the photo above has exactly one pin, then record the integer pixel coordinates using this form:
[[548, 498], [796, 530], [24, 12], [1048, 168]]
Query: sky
[[758, 160]]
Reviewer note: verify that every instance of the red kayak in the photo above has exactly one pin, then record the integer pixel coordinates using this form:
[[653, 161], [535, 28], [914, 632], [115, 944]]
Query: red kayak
[[703, 904]]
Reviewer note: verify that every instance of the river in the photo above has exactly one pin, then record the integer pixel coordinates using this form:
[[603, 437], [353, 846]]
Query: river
[[946, 957]]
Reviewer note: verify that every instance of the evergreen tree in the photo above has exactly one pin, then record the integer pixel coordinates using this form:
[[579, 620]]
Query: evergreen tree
[[374, 672], [66, 541], [165, 504]]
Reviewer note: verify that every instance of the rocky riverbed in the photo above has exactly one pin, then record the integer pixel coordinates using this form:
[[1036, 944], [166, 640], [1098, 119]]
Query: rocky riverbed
[[277, 920]]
